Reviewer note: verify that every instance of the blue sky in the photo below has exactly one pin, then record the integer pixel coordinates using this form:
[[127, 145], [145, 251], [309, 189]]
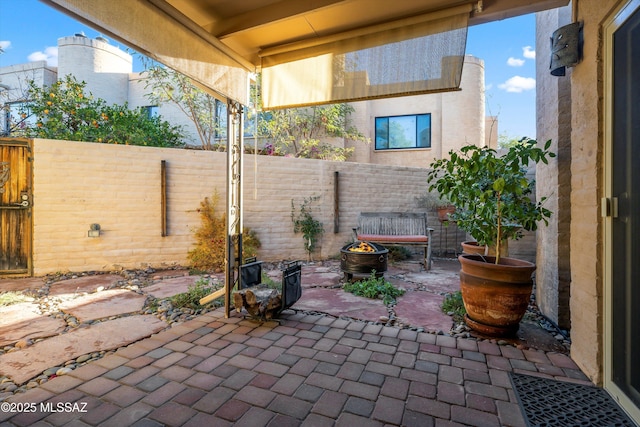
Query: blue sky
[[29, 31]]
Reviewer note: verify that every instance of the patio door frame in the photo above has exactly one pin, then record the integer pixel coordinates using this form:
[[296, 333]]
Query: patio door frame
[[622, 12]]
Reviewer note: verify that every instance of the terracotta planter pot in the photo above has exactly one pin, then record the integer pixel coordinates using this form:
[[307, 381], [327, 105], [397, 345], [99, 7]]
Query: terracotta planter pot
[[472, 248], [496, 296], [444, 212]]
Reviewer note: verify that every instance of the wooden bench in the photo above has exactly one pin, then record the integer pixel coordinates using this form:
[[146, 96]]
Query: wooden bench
[[396, 229]]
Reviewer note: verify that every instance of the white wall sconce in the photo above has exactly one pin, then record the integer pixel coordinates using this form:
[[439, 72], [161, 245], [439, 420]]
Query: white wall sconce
[[94, 230]]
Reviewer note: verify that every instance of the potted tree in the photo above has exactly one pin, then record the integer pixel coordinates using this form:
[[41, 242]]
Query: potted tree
[[494, 203]]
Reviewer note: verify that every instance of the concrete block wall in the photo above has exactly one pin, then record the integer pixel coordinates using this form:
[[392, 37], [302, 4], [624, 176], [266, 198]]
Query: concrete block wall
[[77, 184]]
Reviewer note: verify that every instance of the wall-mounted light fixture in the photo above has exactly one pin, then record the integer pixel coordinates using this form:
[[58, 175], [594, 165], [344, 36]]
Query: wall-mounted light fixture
[[94, 230], [566, 48]]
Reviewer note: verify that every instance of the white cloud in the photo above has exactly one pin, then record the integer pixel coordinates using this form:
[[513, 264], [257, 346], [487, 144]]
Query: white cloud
[[515, 62], [528, 52], [4, 45], [518, 84], [50, 55]]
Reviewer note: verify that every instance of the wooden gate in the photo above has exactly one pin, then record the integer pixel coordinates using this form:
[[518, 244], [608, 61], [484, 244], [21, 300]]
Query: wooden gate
[[15, 207]]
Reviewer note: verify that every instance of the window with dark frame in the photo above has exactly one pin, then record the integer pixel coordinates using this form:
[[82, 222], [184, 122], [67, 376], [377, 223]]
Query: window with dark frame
[[399, 132], [151, 110]]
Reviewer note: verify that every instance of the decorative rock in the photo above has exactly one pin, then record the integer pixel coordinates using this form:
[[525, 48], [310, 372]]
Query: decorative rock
[[8, 387], [83, 358], [23, 343], [51, 371], [63, 371]]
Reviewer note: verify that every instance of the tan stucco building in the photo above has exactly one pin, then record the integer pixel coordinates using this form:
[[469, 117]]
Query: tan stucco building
[[455, 118]]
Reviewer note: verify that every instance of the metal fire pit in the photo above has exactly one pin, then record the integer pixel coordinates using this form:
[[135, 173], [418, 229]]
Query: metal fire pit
[[363, 262]]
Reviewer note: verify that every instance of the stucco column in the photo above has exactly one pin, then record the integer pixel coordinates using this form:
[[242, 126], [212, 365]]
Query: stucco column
[[553, 106]]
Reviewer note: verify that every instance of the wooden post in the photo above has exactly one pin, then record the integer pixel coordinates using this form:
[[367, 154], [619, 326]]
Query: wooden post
[[336, 202], [163, 196]]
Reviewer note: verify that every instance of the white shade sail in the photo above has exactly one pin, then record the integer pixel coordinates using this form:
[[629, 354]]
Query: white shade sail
[[408, 57], [310, 51]]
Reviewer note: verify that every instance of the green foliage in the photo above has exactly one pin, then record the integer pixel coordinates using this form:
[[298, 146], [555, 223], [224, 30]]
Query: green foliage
[[209, 252], [297, 131], [375, 288], [453, 304], [270, 283], [506, 141], [303, 222], [206, 112], [315, 149], [9, 298], [64, 111], [492, 194], [399, 253], [195, 292]]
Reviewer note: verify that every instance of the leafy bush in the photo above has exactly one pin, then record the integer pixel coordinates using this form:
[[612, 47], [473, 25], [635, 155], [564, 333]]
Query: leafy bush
[[209, 253], [64, 111], [453, 304], [305, 223], [375, 288], [492, 193]]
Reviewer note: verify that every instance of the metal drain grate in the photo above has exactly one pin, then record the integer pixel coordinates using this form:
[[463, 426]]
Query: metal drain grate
[[552, 403]]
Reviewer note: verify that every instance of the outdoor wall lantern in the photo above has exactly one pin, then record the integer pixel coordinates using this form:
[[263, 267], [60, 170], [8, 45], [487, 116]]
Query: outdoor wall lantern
[[566, 48], [94, 230]]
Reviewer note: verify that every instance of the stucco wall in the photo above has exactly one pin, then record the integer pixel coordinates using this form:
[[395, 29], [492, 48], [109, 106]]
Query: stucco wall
[[105, 68], [457, 119], [586, 190], [585, 150], [16, 78], [77, 184]]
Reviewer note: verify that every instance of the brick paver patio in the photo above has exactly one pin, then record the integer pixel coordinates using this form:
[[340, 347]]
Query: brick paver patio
[[309, 370]]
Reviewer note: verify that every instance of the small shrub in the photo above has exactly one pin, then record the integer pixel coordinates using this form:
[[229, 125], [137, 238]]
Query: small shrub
[[191, 298], [209, 253], [375, 288], [305, 223], [453, 305], [9, 298], [399, 253]]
